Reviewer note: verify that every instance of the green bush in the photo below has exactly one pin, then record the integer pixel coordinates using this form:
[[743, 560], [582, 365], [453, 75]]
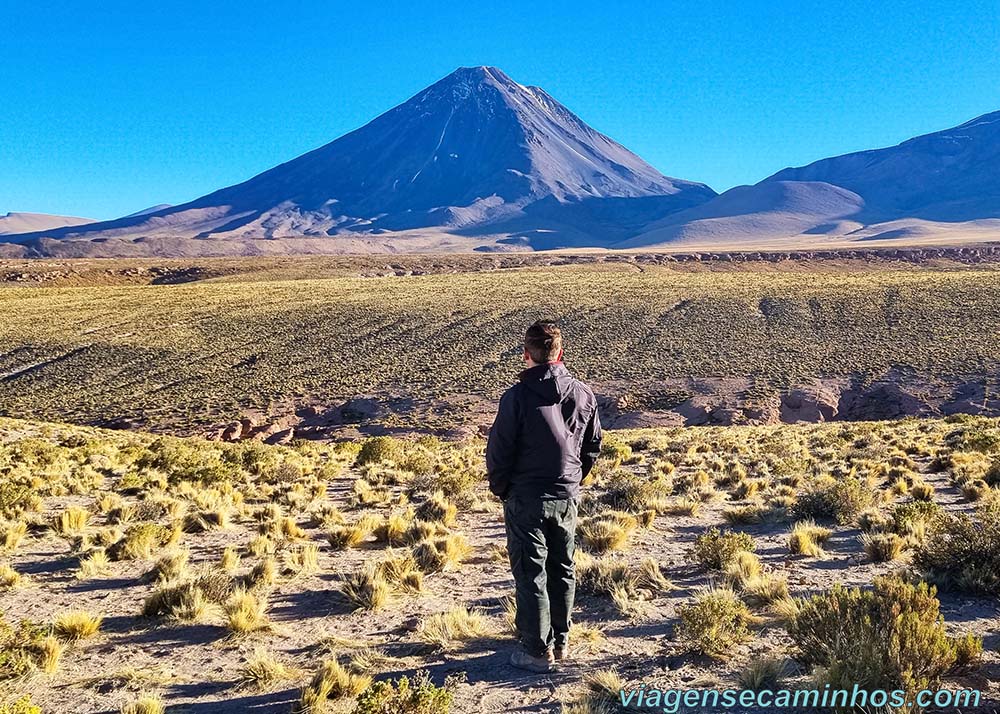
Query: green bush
[[908, 517], [633, 492], [715, 550], [615, 451], [379, 450], [714, 623], [15, 499], [961, 552], [403, 696], [187, 460], [890, 637], [21, 706], [975, 438], [992, 475], [841, 500], [22, 648]]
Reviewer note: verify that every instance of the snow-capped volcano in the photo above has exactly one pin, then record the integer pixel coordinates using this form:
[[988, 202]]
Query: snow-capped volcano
[[475, 153]]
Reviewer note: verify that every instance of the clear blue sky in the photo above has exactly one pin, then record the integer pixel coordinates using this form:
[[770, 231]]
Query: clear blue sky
[[110, 107]]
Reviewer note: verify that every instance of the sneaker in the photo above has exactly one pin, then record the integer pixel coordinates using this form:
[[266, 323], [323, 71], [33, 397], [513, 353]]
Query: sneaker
[[522, 660]]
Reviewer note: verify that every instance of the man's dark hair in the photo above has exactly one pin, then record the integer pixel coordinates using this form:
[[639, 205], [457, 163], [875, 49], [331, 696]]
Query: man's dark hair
[[543, 341]]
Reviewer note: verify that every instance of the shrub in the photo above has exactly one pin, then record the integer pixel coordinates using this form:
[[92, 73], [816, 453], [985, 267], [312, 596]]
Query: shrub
[[968, 651], [20, 706], [16, 499], [26, 648], [962, 552], [890, 637], [715, 623], [187, 460], [403, 696], [615, 451], [379, 450], [143, 540], [633, 492], [841, 500], [911, 519], [715, 550]]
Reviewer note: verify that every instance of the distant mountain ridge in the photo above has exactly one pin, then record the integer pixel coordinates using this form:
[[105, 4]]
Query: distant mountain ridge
[[21, 222], [938, 187], [949, 175]]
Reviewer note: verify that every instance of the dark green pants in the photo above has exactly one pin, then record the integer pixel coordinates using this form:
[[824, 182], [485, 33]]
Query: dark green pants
[[541, 538]]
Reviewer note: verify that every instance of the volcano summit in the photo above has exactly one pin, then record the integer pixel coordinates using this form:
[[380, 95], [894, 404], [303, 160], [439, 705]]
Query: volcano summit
[[476, 160]]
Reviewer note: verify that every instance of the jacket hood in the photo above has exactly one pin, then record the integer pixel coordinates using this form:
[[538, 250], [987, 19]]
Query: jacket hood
[[552, 382]]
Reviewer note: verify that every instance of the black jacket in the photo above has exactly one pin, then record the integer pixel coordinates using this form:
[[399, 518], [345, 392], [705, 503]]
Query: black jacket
[[546, 437]]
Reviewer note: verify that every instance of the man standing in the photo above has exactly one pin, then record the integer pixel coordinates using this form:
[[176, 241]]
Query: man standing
[[545, 439]]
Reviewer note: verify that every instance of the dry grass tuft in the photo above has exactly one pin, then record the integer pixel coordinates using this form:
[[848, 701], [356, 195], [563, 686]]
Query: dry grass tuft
[[11, 534], [74, 626], [367, 589], [71, 522], [883, 547], [144, 704], [441, 554], [807, 539], [331, 681], [446, 629], [9, 578], [605, 683], [246, 612], [263, 670]]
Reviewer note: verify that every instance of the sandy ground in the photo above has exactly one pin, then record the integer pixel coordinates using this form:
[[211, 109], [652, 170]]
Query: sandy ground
[[195, 666]]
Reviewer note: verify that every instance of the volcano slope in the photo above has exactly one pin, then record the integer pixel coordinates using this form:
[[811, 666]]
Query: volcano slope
[[282, 349], [476, 160]]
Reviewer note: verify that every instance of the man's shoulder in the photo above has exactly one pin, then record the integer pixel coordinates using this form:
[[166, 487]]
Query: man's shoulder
[[511, 392], [584, 389]]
